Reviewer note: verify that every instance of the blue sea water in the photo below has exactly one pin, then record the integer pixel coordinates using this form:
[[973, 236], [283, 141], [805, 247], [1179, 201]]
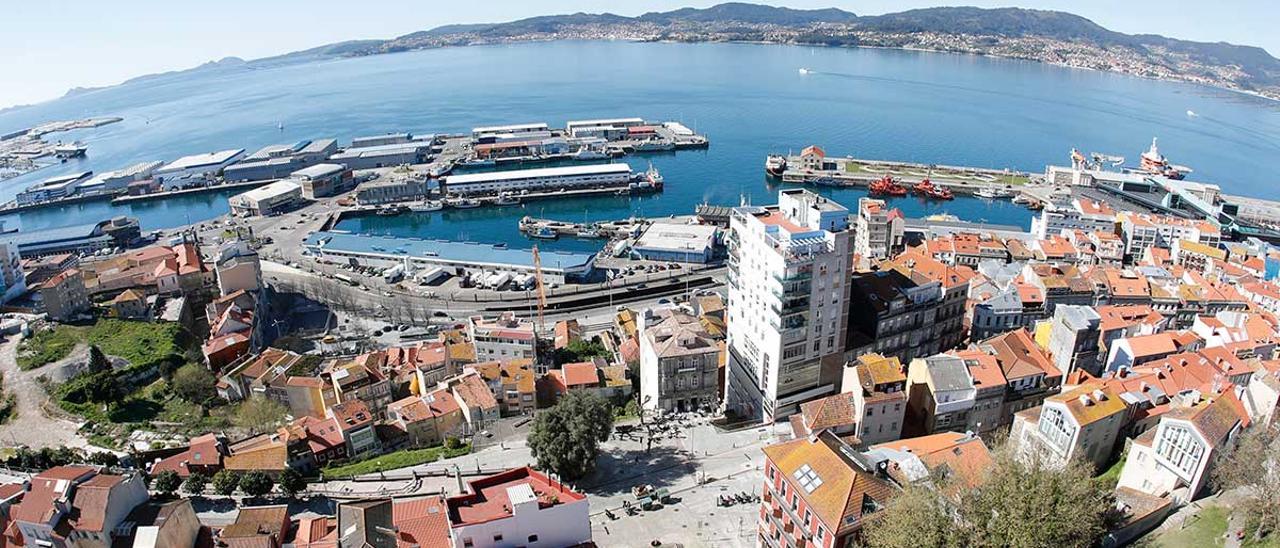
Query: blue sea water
[[749, 99]]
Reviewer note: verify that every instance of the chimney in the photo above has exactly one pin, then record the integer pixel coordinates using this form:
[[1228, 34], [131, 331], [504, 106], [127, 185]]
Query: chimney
[[1085, 400]]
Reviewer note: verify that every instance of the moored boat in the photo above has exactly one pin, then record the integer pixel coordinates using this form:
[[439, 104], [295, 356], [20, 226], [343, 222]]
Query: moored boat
[[775, 164], [544, 233], [427, 206]]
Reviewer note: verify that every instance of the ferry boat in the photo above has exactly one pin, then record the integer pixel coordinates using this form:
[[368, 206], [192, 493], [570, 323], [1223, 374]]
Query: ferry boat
[[543, 233], [885, 186], [506, 199], [775, 164], [462, 203], [74, 149], [427, 206]]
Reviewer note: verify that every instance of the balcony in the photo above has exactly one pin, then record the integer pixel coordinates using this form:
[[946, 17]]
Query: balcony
[[784, 279]]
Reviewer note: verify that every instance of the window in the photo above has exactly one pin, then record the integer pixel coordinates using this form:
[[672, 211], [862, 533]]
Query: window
[[467, 543], [497, 537], [808, 478], [533, 539]]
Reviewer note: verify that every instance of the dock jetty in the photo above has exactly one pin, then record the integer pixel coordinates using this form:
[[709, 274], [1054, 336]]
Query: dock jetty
[[813, 166]]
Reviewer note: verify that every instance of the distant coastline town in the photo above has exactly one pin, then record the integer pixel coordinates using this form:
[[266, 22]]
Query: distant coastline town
[[803, 369]]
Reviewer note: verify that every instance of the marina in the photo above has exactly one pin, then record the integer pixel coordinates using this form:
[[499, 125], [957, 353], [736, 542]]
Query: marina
[[24, 151]]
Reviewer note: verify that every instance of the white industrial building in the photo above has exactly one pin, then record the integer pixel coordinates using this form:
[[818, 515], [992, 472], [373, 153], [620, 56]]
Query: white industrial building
[[532, 180], [112, 181], [684, 243], [323, 180], [269, 199], [489, 132], [788, 300], [52, 188], [197, 167]]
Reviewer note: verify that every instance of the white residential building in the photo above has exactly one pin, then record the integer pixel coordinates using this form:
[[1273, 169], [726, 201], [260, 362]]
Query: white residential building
[[1174, 458], [788, 303], [1083, 423], [519, 507], [879, 231], [503, 338], [1080, 214]]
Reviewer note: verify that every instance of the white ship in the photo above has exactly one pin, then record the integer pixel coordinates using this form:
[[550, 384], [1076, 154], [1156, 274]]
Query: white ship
[[427, 206]]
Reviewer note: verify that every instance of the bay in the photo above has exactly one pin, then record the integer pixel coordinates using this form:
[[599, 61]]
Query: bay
[[749, 99]]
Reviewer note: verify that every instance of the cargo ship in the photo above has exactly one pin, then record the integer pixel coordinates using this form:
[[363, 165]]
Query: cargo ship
[[1156, 164]]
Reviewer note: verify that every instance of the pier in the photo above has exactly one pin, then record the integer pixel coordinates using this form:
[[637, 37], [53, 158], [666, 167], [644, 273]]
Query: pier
[[548, 228], [813, 166]]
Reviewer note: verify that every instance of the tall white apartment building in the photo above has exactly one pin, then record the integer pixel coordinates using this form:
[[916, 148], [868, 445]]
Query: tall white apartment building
[[788, 303], [880, 229]]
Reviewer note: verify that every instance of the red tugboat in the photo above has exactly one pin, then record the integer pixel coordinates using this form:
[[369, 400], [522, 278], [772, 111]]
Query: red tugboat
[[887, 187], [927, 189]]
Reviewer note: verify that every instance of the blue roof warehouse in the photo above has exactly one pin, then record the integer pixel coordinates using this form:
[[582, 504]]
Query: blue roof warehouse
[[557, 267]]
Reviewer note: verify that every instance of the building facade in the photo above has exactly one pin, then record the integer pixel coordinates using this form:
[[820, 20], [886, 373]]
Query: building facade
[[789, 267]]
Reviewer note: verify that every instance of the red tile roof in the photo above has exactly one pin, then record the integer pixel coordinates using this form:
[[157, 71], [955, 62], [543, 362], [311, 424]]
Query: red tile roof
[[488, 500]]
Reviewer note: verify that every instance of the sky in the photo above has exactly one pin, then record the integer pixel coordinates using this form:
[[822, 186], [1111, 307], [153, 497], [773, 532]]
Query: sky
[[50, 46]]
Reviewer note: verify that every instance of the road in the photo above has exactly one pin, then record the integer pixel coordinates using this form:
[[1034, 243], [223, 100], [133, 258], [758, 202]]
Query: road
[[32, 427]]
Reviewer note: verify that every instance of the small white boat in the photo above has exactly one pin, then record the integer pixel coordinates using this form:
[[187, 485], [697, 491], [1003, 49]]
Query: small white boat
[[586, 153], [463, 203], [804, 71], [479, 162], [991, 193], [544, 233], [427, 206], [506, 199], [1192, 114]]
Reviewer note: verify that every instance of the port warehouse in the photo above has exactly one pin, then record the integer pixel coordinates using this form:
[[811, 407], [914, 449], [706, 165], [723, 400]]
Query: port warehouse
[[456, 258], [52, 188], [322, 180], [278, 161], [539, 179], [671, 242], [197, 167], [85, 238], [270, 199]]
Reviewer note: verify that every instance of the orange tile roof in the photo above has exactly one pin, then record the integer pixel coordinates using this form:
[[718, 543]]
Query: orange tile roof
[[845, 485], [580, 374], [961, 454], [1097, 409]]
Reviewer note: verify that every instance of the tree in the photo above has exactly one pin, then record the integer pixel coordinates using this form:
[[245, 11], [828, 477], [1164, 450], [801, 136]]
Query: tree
[[98, 361], [1253, 467], [566, 438], [995, 508], [915, 518], [166, 482], [292, 483], [256, 484], [193, 383], [258, 414], [104, 458], [225, 482], [195, 483]]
